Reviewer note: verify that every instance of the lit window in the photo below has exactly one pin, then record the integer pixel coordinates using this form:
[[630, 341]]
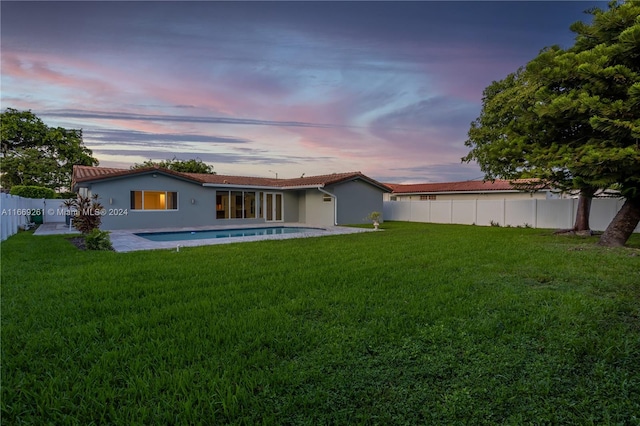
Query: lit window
[[154, 200]]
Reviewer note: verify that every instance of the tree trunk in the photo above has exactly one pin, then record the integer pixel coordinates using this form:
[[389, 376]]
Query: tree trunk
[[584, 210], [622, 225], [581, 225]]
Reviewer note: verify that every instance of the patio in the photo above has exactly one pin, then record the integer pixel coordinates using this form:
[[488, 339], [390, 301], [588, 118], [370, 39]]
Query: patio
[[126, 240]]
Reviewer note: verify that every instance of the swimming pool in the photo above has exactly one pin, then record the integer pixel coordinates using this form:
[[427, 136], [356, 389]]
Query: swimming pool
[[222, 233]]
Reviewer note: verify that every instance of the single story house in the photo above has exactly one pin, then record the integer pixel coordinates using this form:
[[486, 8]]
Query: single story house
[[158, 198], [466, 190]]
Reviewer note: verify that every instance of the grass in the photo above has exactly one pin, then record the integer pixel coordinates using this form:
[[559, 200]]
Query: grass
[[419, 324]]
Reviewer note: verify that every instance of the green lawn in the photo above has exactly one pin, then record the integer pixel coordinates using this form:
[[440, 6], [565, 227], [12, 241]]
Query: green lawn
[[418, 324]]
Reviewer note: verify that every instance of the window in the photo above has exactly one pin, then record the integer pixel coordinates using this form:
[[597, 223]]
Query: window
[[154, 200], [236, 205], [427, 197], [249, 205], [394, 198], [222, 205], [327, 198]]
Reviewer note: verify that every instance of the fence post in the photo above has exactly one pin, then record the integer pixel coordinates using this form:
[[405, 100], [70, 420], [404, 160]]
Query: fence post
[[475, 212], [450, 211]]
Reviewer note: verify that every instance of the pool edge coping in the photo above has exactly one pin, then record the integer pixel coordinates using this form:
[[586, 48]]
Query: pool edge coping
[[125, 240]]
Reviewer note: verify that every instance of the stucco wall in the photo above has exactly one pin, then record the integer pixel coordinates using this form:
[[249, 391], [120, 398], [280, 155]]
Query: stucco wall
[[356, 200], [291, 207], [317, 211], [302, 206], [201, 212]]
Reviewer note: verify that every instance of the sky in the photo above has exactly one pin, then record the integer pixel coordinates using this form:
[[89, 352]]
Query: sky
[[274, 88]]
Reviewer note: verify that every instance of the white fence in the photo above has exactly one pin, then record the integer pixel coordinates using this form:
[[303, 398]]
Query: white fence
[[551, 214], [14, 212]]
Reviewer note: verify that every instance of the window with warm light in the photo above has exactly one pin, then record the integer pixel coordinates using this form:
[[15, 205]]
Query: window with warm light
[[154, 200]]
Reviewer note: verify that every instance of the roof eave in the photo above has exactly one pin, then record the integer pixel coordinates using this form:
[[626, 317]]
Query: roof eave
[[236, 185], [138, 172], [364, 178], [312, 186]]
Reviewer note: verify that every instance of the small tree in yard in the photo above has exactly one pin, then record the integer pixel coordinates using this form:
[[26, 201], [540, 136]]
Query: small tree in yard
[[87, 212], [375, 218]]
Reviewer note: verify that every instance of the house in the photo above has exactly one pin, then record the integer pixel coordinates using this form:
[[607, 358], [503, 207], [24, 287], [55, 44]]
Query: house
[[468, 190], [157, 198]]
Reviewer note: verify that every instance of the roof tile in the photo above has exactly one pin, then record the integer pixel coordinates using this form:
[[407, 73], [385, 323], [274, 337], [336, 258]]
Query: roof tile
[[88, 173], [465, 186]]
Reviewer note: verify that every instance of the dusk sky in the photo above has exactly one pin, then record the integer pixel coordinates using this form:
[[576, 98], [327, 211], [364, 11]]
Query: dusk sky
[[259, 88]]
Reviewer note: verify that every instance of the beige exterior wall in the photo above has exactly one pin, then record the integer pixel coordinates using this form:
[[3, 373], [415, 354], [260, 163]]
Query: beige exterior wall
[[317, 211]]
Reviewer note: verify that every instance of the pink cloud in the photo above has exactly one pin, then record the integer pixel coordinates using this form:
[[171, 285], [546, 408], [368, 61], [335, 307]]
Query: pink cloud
[[49, 71]]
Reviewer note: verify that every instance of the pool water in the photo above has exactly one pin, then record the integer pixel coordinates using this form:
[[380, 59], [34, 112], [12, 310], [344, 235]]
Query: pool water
[[221, 233]]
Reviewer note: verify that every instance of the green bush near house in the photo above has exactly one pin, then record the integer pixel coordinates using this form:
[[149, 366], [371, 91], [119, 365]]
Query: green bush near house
[[98, 240], [419, 324], [28, 191], [88, 212], [66, 195]]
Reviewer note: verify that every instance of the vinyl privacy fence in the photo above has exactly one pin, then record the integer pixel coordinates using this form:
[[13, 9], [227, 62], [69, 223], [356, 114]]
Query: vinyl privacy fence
[[550, 214], [15, 212]]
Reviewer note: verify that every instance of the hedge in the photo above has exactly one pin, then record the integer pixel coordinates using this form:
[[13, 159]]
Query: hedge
[[28, 191]]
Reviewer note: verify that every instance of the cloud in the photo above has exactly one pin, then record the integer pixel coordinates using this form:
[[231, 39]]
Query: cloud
[[432, 129], [386, 86], [451, 172], [111, 115], [208, 157], [130, 137]]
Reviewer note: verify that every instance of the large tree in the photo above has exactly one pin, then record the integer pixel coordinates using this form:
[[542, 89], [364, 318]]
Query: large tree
[[510, 141], [36, 154], [185, 166], [572, 117]]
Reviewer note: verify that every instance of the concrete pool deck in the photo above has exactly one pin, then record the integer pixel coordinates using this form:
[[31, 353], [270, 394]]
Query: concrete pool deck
[[126, 240]]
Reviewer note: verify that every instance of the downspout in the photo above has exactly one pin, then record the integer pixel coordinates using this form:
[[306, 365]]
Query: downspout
[[335, 204]]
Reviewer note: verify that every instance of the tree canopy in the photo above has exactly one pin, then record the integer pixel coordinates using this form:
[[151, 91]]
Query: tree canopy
[[571, 117], [36, 154], [185, 166]]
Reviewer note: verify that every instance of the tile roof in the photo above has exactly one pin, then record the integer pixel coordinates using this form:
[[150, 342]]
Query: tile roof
[[466, 186], [88, 173]]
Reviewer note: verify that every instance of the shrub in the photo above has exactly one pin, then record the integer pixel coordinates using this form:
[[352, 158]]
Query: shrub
[[29, 191], [66, 195], [87, 214], [374, 216], [98, 240]]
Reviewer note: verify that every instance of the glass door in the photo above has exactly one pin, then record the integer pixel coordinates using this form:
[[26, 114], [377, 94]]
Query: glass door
[[273, 206]]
